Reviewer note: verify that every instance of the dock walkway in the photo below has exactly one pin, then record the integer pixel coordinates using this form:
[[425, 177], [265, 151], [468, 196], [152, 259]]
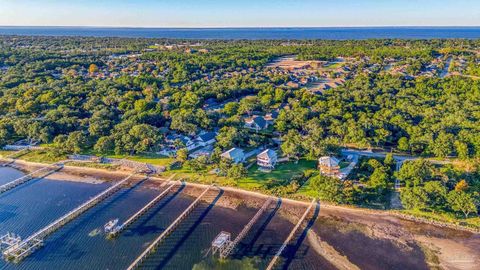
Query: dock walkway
[[140, 212], [224, 253], [151, 248], [20, 250], [275, 259], [40, 173]]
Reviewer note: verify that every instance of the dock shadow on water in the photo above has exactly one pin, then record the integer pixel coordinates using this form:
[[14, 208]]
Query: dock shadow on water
[[144, 227], [245, 249], [291, 250], [299, 254], [53, 250], [174, 246]]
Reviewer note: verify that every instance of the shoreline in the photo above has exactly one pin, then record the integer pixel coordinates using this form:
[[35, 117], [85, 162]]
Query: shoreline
[[402, 231], [98, 176]]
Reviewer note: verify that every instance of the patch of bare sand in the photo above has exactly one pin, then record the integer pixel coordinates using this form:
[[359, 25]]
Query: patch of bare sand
[[451, 253], [374, 226], [329, 253], [444, 248], [63, 176]]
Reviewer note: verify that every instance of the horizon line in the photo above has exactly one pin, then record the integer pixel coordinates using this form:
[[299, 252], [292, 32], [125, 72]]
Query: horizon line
[[240, 27]]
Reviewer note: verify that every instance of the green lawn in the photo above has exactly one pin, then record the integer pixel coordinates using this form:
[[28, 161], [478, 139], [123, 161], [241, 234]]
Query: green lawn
[[306, 191], [283, 171], [43, 156], [4, 153], [204, 177], [153, 159]]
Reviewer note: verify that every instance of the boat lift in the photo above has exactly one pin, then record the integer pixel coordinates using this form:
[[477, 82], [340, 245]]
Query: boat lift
[[222, 243]]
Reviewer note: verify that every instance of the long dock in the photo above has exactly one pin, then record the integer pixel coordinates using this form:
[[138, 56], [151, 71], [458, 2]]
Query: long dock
[[140, 212], [151, 248], [275, 259], [19, 251], [224, 253], [34, 175]]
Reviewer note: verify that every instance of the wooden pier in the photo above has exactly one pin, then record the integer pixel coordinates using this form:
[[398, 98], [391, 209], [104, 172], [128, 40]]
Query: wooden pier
[[275, 259], [41, 173], [230, 245], [151, 248], [19, 251], [140, 212]]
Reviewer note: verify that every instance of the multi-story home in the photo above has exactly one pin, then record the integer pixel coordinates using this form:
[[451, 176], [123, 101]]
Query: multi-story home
[[267, 159], [329, 166]]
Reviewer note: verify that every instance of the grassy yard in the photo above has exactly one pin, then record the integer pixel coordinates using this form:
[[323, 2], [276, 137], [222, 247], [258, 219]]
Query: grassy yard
[[306, 191], [334, 65], [43, 156], [4, 153], [283, 171], [204, 177], [153, 159]]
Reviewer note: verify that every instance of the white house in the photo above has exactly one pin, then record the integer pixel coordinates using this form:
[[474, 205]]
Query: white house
[[235, 154], [203, 139], [329, 166], [267, 159]]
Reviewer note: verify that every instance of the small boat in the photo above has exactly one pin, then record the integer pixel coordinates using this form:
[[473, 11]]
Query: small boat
[[111, 225]]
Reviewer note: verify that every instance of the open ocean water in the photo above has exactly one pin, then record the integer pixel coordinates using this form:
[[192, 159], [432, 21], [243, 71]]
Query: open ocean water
[[334, 33]]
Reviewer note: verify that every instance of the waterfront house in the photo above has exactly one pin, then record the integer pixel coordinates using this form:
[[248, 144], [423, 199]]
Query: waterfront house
[[329, 166], [267, 159], [235, 154], [256, 123]]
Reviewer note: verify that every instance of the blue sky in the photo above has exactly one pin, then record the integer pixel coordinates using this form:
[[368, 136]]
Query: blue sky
[[238, 13]]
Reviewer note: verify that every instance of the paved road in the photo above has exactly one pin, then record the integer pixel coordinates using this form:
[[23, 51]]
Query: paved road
[[397, 157], [354, 152]]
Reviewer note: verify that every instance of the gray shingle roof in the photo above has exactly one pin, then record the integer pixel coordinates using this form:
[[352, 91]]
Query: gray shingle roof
[[260, 121], [328, 161], [207, 136]]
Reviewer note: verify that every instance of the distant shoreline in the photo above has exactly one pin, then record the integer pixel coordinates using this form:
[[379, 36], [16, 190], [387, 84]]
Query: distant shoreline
[[252, 33]]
